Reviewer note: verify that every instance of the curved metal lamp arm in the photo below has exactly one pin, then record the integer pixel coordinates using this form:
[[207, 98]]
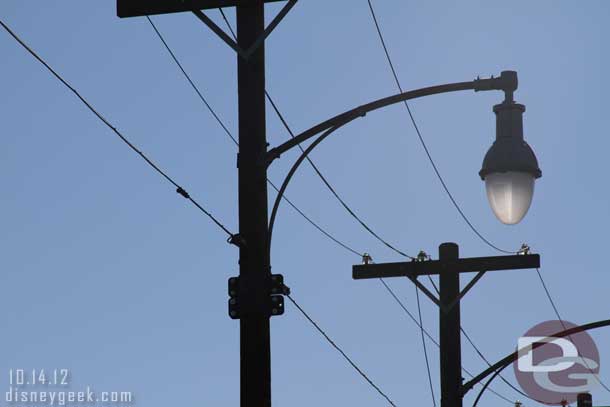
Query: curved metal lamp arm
[[507, 82], [499, 366], [293, 169]]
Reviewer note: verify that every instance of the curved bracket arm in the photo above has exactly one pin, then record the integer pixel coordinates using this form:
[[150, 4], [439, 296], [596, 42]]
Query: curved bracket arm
[[293, 169], [507, 82], [515, 355]]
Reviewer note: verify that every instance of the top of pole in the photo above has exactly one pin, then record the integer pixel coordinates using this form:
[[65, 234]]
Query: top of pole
[[137, 8]]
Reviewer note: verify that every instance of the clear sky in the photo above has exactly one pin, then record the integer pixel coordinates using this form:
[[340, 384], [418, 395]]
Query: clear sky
[[105, 270]]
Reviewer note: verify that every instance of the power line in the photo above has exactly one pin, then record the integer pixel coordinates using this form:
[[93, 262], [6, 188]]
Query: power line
[[314, 224], [512, 386], [478, 352], [190, 81], [430, 337], [179, 189], [345, 356], [234, 140], [550, 298], [423, 341], [224, 17], [317, 170], [556, 310], [423, 143], [332, 189]]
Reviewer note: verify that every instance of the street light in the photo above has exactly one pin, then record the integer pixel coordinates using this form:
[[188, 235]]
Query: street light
[[510, 166], [509, 171]]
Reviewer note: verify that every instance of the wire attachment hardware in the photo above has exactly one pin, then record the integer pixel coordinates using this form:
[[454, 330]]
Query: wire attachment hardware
[[422, 256], [236, 240], [183, 192], [367, 259], [274, 305]]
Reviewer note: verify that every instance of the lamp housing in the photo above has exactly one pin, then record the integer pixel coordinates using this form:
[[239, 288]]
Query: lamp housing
[[510, 166]]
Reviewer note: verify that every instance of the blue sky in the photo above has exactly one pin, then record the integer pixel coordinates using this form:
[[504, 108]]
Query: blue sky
[[108, 272]]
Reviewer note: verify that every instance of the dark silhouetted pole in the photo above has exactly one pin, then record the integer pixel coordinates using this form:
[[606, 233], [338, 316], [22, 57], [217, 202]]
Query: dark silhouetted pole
[[254, 270], [450, 341], [584, 400]]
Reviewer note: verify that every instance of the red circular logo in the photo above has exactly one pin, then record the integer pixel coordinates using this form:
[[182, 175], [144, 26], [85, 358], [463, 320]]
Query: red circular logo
[[554, 370]]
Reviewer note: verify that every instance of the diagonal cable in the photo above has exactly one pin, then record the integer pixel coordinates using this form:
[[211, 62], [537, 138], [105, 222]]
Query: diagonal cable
[[152, 164], [430, 337], [423, 340], [478, 352], [556, 310], [317, 170], [234, 140], [423, 143], [338, 349]]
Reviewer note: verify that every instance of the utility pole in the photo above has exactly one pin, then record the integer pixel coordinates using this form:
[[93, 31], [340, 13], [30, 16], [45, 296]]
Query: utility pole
[[449, 328], [255, 295], [254, 267], [584, 400], [448, 267]]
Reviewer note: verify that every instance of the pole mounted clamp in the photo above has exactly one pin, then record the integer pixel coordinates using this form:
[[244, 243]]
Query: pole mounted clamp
[[507, 81], [273, 306]]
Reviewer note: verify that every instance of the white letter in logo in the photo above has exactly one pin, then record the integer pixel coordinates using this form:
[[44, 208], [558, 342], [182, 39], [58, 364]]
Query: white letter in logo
[[526, 357]]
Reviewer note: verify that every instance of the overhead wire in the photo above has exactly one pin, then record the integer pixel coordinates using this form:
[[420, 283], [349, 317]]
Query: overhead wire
[[317, 170], [561, 320], [179, 189], [478, 352], [430, 159], [429, 155], [340, 350], [423, 143], [234, 139], [430, 337], [423, 341]]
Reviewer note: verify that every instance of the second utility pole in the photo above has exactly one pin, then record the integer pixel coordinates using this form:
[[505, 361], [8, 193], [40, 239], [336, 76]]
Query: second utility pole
[[254, 267], [449, 328], [448, 267]]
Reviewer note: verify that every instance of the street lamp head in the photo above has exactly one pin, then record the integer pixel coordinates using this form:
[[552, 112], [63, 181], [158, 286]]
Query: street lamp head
[[510, 166]]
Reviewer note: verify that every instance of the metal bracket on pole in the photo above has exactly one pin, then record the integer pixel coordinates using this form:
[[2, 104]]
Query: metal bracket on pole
[[219, 31], [245, 54], [464, 291], [425, 290], [275, 305], [435, 300]]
